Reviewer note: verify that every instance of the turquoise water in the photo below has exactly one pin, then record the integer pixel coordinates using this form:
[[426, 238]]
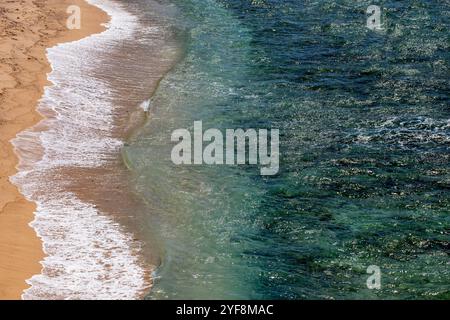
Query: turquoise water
[[364, 169]]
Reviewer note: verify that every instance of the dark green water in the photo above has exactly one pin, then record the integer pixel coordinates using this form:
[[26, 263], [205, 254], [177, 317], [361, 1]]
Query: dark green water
[[365, 148]]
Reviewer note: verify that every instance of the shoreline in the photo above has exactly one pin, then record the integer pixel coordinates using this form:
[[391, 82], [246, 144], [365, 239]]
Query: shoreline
[[78, 182], [29, 30]]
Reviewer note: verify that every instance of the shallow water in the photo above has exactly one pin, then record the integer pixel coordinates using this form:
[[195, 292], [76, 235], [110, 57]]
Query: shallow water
[[365, 134]]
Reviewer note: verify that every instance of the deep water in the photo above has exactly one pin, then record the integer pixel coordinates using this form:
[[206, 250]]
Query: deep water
[[365, 150]]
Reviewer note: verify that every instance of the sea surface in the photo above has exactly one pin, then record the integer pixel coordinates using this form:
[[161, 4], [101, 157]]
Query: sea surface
[[365, 152], [364, 179]]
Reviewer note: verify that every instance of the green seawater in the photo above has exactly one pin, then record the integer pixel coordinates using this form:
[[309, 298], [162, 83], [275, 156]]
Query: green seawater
[[365, 150]]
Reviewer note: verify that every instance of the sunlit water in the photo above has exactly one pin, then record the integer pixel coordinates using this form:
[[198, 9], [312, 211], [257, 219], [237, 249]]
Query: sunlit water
[[365, 137]]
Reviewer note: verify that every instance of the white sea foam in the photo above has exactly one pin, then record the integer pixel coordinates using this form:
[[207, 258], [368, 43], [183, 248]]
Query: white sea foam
[[407, 131], [89, 256]]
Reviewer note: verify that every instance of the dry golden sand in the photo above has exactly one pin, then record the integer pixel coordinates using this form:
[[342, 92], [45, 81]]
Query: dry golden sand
[[27, 28]]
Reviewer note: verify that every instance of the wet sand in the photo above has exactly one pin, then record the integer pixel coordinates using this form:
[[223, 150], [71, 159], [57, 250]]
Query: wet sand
[[27, 28]]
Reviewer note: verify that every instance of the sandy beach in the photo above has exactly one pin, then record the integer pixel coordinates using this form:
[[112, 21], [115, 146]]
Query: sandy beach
[[27, 28]]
